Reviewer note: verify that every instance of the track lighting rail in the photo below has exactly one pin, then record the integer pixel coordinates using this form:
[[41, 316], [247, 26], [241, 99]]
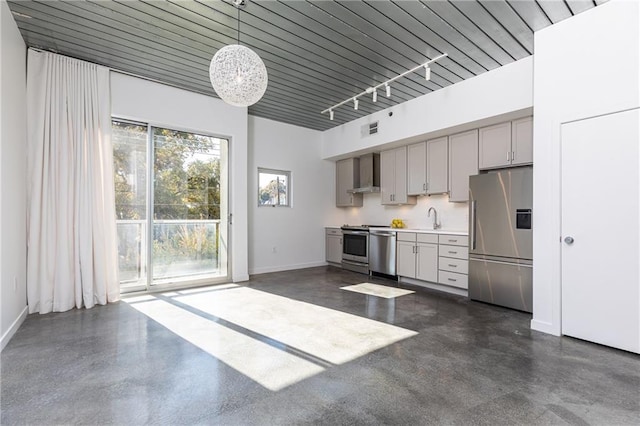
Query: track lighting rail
[[374, 89]]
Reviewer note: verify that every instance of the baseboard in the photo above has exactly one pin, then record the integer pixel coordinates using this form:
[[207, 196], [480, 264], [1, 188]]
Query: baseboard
[[240, 278], [544, 327], [281, 268], [14, 327]]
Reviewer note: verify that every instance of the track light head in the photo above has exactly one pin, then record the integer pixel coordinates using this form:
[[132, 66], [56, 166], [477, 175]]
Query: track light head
[[355, 103], [388, 89], [375, 95], [427, 73], [331, 114]]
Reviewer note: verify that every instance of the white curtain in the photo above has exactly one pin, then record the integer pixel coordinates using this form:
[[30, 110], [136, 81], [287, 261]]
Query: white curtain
[[72, 258]]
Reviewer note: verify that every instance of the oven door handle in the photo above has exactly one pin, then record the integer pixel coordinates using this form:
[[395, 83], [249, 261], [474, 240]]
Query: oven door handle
[[355, 232]]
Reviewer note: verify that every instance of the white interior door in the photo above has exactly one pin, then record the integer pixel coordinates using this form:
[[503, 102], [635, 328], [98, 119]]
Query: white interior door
[[600, 230]]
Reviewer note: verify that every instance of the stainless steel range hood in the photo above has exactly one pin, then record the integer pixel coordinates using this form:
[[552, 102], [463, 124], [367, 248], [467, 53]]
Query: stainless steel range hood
[[369, 174]]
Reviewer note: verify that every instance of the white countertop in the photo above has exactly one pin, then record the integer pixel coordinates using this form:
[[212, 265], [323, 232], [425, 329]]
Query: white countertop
[[427, 231], [419, 231]]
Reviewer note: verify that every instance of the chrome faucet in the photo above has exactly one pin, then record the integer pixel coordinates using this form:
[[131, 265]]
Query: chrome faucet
[[436, 225]]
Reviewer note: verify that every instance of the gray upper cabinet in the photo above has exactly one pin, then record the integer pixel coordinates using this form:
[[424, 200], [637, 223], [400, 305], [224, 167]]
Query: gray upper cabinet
[[347, 178], [438, 166], [522, 141], [393, 177], [463, 162], [506, 144], [495, 146], [428, 167], [417, 169]]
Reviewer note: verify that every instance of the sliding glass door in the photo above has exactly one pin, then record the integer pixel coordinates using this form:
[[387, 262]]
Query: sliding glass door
[[172, 217]]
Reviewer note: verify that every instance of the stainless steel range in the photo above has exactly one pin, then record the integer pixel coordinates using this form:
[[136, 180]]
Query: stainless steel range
[[355, 247]]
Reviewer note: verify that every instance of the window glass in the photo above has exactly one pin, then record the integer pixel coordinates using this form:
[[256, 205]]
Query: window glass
[[274, 188]]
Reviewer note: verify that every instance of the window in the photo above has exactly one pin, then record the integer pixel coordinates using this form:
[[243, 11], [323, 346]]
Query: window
[[274, 188], [171, 205]]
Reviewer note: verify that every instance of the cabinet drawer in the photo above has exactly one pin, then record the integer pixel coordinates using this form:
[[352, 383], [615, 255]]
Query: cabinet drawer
[[454, 251], [428, 238], [406, 236], [333, 231], [453, 279], [454, 240], [460, 266]]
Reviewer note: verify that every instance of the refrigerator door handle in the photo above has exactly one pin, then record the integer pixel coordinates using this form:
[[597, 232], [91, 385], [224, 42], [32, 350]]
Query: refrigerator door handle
[[472, 222]]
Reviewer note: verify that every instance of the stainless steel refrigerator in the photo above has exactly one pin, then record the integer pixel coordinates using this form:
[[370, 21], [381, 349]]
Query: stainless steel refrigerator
[[500, 238]]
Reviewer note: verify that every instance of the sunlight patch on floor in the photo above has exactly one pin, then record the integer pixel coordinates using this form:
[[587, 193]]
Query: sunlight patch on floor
[[334, 336], [377, 290], [310, 337], [271, 367]]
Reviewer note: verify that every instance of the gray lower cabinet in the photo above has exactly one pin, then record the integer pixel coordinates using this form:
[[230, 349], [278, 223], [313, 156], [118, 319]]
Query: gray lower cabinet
[[453, 262], [417, 256], [435, 258], [463, 162], [333, 245]]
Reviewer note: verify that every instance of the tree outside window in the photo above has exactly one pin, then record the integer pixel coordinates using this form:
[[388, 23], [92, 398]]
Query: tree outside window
[[274, 188]]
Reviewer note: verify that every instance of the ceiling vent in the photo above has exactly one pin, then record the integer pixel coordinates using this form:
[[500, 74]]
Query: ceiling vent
[[370, 129]]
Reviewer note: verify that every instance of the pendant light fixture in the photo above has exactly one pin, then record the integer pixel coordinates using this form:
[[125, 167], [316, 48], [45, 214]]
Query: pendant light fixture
[[237, 73]]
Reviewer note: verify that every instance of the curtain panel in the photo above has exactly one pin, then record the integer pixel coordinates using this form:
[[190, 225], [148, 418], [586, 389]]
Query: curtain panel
[[72, 256]]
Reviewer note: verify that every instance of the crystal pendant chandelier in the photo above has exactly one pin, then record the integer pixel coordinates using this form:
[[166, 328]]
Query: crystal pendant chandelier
[[237, 73]]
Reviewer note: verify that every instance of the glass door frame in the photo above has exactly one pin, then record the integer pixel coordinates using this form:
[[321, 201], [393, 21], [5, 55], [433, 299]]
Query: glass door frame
[[225, 213]]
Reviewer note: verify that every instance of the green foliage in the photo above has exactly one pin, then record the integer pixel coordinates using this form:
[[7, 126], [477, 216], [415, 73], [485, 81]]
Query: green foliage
[[187, 175], [196, 242]]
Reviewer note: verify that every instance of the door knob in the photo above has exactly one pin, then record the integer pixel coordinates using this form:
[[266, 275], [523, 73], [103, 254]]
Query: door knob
[[568, 240]]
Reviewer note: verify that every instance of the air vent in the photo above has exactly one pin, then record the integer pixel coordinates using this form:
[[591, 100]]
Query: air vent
[[370, 129]]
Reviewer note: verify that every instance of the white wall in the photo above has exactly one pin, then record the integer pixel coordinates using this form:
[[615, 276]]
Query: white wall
[[297, 233], [497, 95], [585, 66], [160, 105], [13, 175]]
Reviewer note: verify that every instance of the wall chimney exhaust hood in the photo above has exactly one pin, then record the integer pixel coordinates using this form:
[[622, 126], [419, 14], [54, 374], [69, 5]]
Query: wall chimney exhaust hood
[[369, 174]]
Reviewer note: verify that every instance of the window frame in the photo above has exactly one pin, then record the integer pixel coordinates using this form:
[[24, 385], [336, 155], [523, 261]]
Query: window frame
[[271, 171]]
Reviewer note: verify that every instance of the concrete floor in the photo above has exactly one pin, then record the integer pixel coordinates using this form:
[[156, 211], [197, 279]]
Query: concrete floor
[[469, 363]]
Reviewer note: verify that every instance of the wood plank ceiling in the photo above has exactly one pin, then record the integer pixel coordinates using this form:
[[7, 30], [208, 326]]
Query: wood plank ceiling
[[317, 52]]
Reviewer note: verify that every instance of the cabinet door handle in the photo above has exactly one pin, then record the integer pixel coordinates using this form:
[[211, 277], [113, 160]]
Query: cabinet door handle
[[424, 186], [453, 241], [453, 252], [513, 156], [452, 279], [508, 156], [453, 266]]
